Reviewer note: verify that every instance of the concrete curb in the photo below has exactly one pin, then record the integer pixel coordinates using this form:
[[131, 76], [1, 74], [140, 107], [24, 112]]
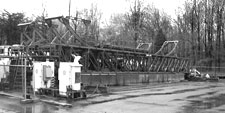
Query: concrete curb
[[56, 103], [10, 95]]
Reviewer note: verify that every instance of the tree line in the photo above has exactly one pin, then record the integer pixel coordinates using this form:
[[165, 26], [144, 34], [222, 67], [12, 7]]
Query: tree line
[[9, 32], [199, 28]]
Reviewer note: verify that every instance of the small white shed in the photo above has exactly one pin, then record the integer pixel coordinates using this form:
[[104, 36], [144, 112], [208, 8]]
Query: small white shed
[[69, 76]]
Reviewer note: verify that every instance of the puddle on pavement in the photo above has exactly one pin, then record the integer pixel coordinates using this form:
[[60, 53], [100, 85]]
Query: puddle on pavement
[[196, 96], [222, 110], [189, 90], [34, 108], [148, 94], [206, 103], [178, 100]]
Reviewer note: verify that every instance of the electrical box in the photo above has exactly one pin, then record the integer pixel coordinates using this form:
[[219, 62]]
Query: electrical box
[[43, 72], [69, 76]]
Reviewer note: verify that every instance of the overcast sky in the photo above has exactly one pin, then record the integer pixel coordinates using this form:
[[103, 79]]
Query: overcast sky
[[60, 7]]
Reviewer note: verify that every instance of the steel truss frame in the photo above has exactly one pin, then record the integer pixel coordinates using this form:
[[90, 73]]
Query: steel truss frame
[[102, 59], [53, 45]]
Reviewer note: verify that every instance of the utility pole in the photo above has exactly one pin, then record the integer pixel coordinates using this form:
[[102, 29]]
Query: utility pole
[[69, 7], [25, 76], [26, 99]]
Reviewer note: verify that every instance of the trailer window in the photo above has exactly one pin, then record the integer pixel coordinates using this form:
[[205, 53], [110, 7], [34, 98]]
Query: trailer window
[[1, 51], [77, 78]]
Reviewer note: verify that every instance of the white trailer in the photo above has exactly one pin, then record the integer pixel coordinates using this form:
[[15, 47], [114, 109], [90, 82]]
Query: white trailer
[[43, 73], [69, 77]]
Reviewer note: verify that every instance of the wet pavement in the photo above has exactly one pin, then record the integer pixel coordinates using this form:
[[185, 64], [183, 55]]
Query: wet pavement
[[182, 97]]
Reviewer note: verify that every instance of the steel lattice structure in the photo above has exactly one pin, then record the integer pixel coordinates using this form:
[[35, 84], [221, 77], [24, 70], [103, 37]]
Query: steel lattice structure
[[44, 40]]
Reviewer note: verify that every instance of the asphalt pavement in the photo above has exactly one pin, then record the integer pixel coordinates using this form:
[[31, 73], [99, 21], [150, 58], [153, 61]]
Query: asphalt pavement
[[181, 97]]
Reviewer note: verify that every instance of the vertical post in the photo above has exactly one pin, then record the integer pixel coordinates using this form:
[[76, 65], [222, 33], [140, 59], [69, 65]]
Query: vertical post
[[33, 83], [22, 70], [25, 77], [21, 38]]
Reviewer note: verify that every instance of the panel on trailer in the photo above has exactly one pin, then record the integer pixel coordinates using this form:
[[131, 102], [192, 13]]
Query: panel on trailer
[[63, 77], [48, 73], [37, 76]]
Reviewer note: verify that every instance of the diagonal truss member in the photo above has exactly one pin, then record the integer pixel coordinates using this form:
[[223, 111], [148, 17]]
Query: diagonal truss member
[[168, 48]]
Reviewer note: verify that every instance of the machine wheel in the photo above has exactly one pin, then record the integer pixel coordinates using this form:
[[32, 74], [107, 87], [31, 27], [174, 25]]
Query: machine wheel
[[40, 91], [83, 94], [69, 95], [54, 93]]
